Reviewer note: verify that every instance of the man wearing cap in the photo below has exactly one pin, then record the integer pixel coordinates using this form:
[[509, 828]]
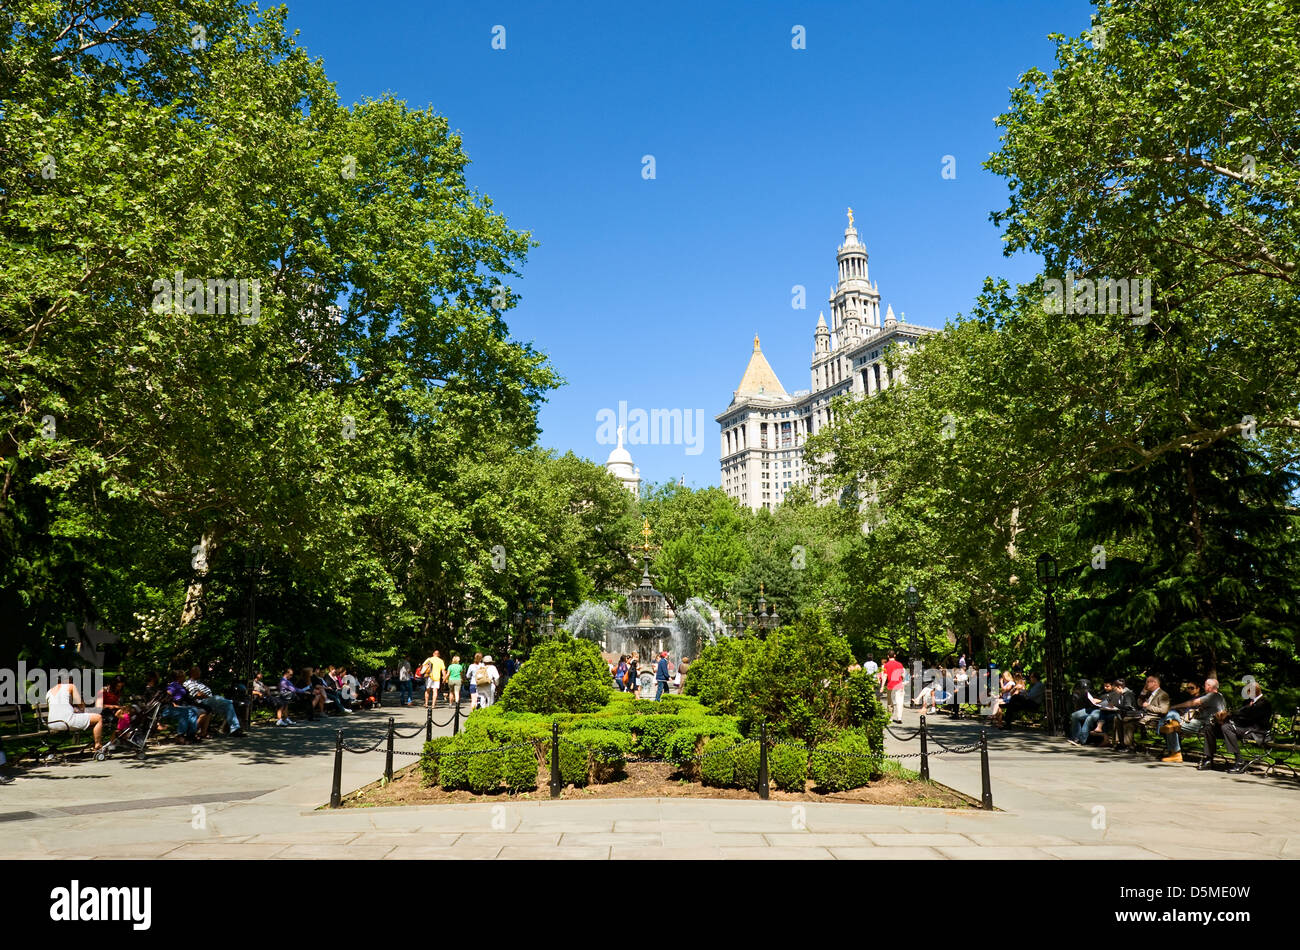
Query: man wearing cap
[[661, 674]]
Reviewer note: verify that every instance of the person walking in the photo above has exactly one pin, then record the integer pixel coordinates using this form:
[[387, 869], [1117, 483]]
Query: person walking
[[471, 676], [486, 678], [405, 683], [682, 667], [893, 673], [661, 675], [631, 677], [453, 680], [434, 671]]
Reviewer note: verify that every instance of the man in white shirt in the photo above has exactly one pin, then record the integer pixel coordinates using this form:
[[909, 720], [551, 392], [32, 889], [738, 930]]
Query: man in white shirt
[[871, 666]]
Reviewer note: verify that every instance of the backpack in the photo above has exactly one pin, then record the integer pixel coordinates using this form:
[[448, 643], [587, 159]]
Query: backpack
[[481, 677]]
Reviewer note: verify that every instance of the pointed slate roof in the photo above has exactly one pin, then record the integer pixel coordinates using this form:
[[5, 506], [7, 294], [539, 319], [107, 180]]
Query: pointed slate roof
[[759, 376]]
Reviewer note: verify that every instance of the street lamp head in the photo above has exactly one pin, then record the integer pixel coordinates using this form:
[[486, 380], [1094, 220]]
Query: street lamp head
[[912, 597], [1046, 565]]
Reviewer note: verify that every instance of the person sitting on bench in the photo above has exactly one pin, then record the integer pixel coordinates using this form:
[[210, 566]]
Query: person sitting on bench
[[315, 700], [1087, 710], [265, 696], [1251, 721], [1030, 701], [1152, 705], [67, 711], [1206, 706], [202, 696]]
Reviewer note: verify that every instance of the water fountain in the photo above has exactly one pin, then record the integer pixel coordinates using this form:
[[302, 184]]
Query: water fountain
[[649, 625]]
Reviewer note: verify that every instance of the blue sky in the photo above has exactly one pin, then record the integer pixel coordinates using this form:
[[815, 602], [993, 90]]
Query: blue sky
[[650, 291]]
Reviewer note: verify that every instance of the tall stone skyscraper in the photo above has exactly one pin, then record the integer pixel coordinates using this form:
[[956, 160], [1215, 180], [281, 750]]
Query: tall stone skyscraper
[[764, 428]]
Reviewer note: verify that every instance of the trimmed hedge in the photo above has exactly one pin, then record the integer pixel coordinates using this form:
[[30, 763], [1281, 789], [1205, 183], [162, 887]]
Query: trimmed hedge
[[838, 766], [607, 751], [788, 767], [483, 771], [718, 767], [519, 768], [429, 759], [453, 770], [746, 766], [562, 675]]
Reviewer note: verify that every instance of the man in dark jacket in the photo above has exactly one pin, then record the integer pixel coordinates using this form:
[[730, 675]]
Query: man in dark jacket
[[661, 675], [1251, 721]]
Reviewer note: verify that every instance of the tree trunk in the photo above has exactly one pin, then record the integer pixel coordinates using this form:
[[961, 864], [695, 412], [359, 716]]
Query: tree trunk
[[193, 609]]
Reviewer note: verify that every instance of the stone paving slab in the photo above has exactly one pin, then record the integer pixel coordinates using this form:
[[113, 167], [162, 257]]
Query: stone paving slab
[[996, 853], [875, 853], [622, 853], [776, 854]]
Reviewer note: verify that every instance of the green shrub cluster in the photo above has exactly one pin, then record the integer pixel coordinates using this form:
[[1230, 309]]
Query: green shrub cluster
[[788, 767], [563, 674], [795, 680], [845, 762], [429, 759], [718, 763]]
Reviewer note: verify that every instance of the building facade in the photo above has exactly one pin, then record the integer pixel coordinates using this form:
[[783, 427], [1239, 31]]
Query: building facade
[[765, 428]]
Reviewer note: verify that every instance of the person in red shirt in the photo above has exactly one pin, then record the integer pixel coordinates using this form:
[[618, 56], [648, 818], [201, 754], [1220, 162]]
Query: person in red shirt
[[893, 671]]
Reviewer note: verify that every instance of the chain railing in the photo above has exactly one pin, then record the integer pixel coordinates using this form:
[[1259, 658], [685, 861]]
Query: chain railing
[[557, 783]]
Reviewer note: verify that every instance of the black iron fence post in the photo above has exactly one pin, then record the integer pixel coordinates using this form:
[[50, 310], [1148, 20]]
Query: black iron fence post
[[925, 754], [388, 764], [986, 792], [428, 725], [762, 760], [557, 781], [455, 721], [336, 791]]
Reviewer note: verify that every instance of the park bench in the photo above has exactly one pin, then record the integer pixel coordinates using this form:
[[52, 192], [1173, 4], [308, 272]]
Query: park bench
[[1280, 741], [34, 725]]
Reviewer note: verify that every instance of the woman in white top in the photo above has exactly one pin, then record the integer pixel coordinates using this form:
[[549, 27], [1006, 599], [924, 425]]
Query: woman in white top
[[67, 712]]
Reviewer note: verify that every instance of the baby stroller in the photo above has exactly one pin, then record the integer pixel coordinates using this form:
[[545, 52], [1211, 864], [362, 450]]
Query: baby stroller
[[143, 719]]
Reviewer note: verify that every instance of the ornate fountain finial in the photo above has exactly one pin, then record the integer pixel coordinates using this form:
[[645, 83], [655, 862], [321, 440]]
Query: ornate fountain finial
[[645, 535]]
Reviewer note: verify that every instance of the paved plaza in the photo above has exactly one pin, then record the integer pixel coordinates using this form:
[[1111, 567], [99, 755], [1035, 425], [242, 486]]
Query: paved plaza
[[260, 798]]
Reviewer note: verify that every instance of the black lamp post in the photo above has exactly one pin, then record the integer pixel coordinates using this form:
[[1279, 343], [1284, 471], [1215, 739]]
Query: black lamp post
[[912, 599], [766, 620], [1054, 680]]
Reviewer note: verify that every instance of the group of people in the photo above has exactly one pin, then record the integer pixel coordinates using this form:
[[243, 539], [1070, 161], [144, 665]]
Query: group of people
[[191, 707], [668, 677], [1205, 713], [443, 682]]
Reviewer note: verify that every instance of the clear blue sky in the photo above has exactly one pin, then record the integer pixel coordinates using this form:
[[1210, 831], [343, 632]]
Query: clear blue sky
[[651, 291]]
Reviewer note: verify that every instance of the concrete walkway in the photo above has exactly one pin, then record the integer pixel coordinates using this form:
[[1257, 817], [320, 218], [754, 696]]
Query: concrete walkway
[[259, 798]]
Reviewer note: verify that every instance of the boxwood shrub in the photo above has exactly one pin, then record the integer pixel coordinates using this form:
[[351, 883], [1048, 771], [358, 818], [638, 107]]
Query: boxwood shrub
[[519, 767], [607, 751], [788, 767], [484, 769], [574, 761], [746, 759], [718, 765], [563, 674], [429, 759], [453, 769], [842, 763], [652, 733]]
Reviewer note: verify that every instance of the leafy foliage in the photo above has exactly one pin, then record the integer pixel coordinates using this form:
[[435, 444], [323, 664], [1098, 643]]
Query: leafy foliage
[[562, 675]]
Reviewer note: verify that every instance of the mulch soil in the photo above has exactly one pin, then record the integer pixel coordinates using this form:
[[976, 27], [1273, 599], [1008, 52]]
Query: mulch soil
[[654, 780]]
